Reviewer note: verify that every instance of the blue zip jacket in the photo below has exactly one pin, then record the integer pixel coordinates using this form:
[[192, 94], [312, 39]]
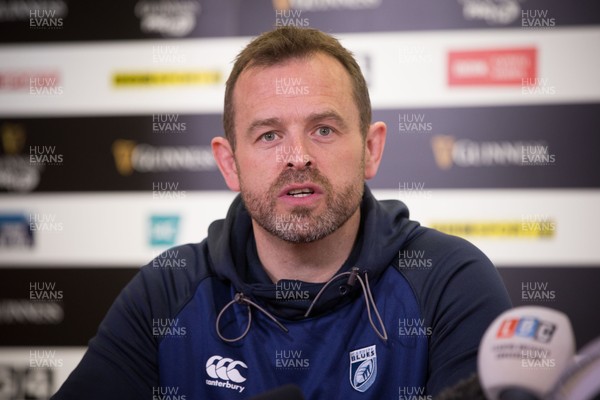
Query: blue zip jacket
[[401, 320]]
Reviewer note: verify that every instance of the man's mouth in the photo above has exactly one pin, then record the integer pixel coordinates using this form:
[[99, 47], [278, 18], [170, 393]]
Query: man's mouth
[[300, 192]]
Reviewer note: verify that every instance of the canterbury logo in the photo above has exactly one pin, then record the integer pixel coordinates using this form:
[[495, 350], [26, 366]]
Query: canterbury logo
[[218, 367]]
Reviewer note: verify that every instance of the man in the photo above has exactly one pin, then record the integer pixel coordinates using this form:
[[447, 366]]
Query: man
[[309, 280]]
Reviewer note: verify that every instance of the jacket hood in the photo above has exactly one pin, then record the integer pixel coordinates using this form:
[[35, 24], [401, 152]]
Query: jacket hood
[[384, 229]]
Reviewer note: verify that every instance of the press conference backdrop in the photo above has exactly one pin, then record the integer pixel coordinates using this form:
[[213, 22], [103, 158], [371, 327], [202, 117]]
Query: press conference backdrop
[[107, 111]]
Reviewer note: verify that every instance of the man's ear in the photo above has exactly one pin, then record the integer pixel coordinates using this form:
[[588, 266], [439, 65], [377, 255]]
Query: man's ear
[[374, 144], [226, 162]]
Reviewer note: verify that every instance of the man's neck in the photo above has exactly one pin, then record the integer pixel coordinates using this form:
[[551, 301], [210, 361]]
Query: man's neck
[[309, 262]]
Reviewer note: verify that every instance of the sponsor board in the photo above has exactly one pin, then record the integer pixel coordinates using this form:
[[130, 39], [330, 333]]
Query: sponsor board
[[385, 16], [119, 153], [59, 20], [56, 306], [403, 69], [35, 372], [545, 146], [529, 227], [483, 147], [121, 222], [47, 21]]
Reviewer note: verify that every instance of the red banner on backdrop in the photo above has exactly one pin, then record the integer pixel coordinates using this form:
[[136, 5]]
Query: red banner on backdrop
[[505, 67]]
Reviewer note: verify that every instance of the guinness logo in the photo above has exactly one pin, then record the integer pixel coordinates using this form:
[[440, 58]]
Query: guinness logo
[[13, 138], [443, 146], [122, 152]]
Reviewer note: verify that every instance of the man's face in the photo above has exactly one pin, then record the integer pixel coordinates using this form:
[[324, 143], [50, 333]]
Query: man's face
[[299, 151]]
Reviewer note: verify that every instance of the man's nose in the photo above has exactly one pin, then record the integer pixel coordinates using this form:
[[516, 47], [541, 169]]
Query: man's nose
[[300, 156]]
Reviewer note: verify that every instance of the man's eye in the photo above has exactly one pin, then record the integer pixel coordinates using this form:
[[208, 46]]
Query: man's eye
[[268, 137], [324, 131]]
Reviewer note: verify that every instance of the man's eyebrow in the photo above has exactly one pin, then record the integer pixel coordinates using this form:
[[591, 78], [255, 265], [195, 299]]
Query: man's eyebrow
[[329, 114], [312, 118], [261, 123]]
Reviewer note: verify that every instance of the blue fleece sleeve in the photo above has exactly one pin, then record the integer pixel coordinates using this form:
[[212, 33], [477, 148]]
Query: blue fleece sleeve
[[460, 296], [122, 359]]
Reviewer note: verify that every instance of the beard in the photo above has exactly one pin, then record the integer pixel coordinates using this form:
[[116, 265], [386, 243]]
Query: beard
[[302, 224]]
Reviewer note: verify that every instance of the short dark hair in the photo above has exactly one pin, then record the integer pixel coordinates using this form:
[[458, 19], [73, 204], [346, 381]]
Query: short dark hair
[[290, 42]]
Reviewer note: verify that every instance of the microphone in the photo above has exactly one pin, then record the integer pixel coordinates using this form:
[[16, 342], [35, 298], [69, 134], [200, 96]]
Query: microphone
[[581, 379], [523, 352], [285, 392]]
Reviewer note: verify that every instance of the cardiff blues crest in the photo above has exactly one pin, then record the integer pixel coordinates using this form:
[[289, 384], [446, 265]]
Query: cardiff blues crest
[[363, 368]]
